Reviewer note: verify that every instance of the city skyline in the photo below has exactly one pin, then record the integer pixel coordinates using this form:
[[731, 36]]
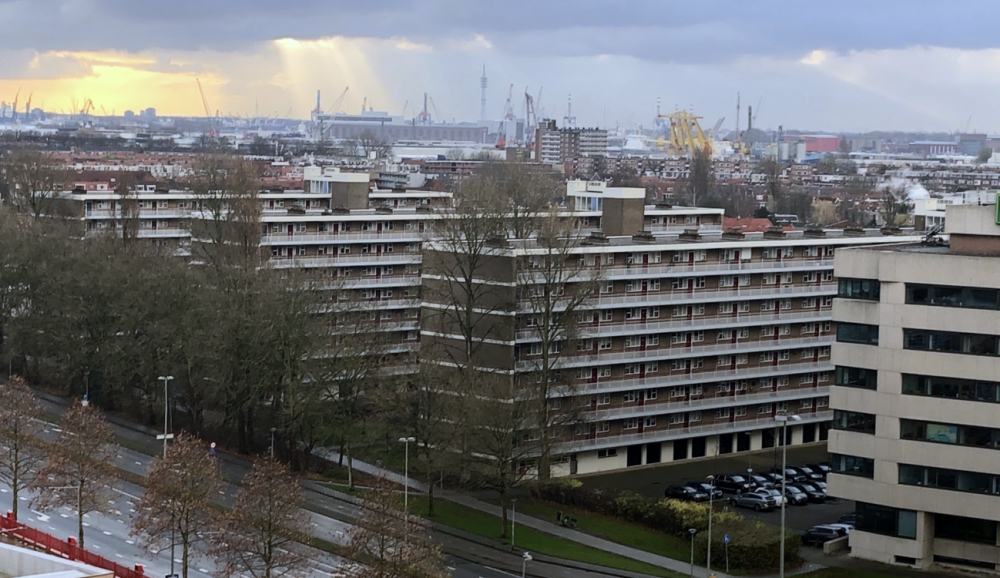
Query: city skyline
[[836, 67]]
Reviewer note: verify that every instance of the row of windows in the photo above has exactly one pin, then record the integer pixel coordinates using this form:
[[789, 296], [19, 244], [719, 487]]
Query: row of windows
[[974, 482], [852, 465], [859, 289], [951, 388], [947, 296], [854, 421], [951, 342], [856, 377], [886, 520], [961, 435], [857, 333]]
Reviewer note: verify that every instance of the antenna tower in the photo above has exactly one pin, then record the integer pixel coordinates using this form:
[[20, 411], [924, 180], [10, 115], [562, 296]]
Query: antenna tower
[[482, 95]]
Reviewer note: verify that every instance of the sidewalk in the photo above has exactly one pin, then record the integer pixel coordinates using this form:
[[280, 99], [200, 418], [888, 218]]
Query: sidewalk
[[551, 528]]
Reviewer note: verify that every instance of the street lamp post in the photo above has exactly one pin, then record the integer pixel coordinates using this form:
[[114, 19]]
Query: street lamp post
[[524, 564], [166, 413], [692, 531], [273, 429], [406, 472], [783, 420], [711, 491]]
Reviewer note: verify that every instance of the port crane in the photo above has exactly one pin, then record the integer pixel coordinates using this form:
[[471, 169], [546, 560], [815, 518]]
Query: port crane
[[208, 111]]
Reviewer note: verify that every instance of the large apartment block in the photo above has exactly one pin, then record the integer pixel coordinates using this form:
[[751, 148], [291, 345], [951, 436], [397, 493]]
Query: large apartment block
[[916, 430], [687, 343]]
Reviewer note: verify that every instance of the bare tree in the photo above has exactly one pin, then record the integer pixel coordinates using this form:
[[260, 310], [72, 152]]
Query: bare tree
[[33, 181], [78, 473], [895, 204], [368, 143], [20, 426], [390, 542], [556, 283], [176, 507], [772, 171], [228, 232], [700, 182], [262, 535]]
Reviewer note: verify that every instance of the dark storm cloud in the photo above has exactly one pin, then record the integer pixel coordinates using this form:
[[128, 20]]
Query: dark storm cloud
[[692, 31]]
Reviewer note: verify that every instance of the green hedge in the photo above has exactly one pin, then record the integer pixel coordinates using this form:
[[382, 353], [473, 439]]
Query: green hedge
[[754, 546]]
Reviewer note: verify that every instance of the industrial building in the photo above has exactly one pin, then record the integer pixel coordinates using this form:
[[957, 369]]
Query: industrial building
[[915, 430]]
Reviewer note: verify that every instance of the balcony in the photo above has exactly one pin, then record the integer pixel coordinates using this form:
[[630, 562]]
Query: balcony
[[677, 352], [367, 281], [612, 272], [343, 237], [706, 322], [674, 379], [685, 432], [143, 214], [346, 260], [665, 407], [680, 296]]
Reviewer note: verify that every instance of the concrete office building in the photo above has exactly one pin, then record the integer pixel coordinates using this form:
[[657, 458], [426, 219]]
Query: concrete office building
[[916, 432], [689, 345]]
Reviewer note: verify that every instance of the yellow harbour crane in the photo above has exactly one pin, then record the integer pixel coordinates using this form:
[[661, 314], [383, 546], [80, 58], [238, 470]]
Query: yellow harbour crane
[[686, 135]]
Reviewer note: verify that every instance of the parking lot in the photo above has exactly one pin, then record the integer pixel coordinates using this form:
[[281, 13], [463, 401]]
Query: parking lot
[[652, 480]]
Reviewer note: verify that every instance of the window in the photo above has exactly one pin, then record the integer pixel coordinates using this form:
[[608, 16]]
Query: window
[[766, 408], [675, 418], [722, 413], [676, 392], [951, 388], [604, 399], [965, 529], [961, 435], [631, 423], [654, 312], [858, 377], [782, 381], [724, 360], [740, 412], [694, 416], [649, 422], [857, 333], [633, 286], [604, 343], [696, 390], [633, 341], [603, 427], [852, 466], [945, 296], [854, 421], [957, 480], [608, 287], [652, 340], [784, 355], [885, 520], [784, 329], [630, 397], [607, 315], [869, 289], [950, 342], [604, 372], [652, 367], [699, 309], [725, 335], [607, 453], [651, 394], [727, 281], [742, 359]]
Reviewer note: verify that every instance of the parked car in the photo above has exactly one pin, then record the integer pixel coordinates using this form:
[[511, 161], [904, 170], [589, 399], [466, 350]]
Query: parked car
[[819, 535], [789, 474], [776, 494], [707, 488], [796, 496], [820, 468], [757, 500], [685, 493], [814, 493], [733, 483], [844, 529], [760, 481], [819, 485], [851, 519], [807, 472], [774, 477]]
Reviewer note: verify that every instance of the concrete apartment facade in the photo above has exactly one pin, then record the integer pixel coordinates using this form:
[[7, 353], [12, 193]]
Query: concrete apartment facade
[[916, 434], [686, 345]]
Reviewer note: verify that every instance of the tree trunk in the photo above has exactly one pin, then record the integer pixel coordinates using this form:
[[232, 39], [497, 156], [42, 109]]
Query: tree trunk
[[184, 558], [350, 468], [15, 484], [503, 508], [79, 516], [430, 495]]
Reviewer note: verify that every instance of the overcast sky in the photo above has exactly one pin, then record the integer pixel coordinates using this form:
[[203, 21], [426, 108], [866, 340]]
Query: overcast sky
[[833, 66]]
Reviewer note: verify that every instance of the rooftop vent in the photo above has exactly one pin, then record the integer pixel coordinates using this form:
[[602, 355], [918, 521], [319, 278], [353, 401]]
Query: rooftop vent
[[814, 233], [596, 238], [854, 232], [690, 235], [644, 237], [774, 233], [733, 235]]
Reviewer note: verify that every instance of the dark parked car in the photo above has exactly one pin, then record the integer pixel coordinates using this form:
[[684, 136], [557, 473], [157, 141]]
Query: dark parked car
[[759, 501], [795, 496], [685, 493], [820, 469], [774, 477], [814, 493], [807, 472], [790, 475], [733, 483], [819, 535], [760, 481], [706, 487], [851, 519]]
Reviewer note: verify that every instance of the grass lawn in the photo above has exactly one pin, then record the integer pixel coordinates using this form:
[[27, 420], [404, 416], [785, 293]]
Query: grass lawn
[[482, 524], [612, 529]]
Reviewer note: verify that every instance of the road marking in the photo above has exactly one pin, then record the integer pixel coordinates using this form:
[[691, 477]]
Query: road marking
[[126, 494], [85, 524], [130, 542], [106, 533]]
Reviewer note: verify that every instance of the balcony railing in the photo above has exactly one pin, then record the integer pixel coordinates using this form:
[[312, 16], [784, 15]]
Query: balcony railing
[[707, 322], [352, 260], [681, 352], [660, 435], [363, 282], [678, 378], [664, 407], [680, 296], [342, 237]]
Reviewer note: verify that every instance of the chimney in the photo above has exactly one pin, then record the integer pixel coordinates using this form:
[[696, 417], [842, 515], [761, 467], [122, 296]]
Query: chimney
[[774, 233], [596, 238], [624, 210], [814, 233], [690, 235], [854, 232], [733, 235], [644, 237]]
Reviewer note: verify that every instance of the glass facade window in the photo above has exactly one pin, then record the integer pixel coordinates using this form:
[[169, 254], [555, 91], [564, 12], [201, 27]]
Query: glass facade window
[[960, 481], [859, 289], [947, 296], [852, 466], [856, 377], [857, 333], [965, 529], [885, 520], [854, 421], [942, 433], [951, 388], [950, 342]]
